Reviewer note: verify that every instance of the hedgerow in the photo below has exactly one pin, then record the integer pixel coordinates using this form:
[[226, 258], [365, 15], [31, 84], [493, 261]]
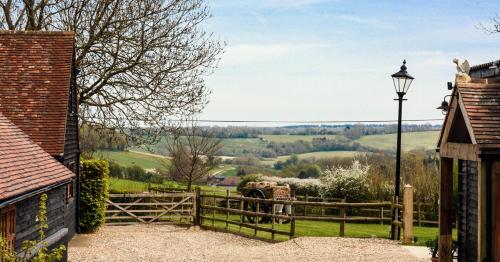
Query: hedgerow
[[93, 194]]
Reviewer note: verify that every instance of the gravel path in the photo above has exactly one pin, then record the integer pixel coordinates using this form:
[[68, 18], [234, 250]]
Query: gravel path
[[169, 243]]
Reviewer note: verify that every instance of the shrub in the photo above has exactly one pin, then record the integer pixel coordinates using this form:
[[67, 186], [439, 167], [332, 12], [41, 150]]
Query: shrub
[[93, 194], [350, 183], [116, 170], [308, 186]]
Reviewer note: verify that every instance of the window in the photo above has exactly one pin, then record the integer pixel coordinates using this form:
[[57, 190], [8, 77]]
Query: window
[[70, 192], [8, 225]]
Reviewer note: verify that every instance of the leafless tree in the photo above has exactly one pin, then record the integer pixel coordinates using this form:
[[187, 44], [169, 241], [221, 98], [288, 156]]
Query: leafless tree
[[142, 62], [192, 150], [492, 27]]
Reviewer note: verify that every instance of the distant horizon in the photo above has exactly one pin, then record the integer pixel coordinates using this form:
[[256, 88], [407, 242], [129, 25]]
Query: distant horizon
[[320, 60]]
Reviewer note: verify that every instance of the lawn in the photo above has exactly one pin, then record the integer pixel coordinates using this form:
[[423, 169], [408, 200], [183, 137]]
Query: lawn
[[127, 158], [118, 185], [411, 140], [306, 228]]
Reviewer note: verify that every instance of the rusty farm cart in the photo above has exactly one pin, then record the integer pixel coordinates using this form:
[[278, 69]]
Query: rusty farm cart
[[266, 190]]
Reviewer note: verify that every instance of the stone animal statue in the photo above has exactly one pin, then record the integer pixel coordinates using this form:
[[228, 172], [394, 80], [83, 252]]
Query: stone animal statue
[[463, 70]]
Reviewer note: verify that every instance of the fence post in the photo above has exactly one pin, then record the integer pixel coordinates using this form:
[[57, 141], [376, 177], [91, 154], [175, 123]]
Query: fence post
[[273, 218], [227, 209], [398, 218], [408, 215], [419, 214], [213, 211], [257, 218], [392, 232], [305, 206], [342, 215], [292, 222], [381, 214], [197, 207], [242, 218]]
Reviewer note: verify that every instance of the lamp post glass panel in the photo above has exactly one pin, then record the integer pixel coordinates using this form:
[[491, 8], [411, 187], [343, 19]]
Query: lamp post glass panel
[[402, 81]]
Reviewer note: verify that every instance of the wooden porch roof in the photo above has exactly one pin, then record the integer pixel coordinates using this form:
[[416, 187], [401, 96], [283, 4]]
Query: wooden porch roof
[[475, 108]]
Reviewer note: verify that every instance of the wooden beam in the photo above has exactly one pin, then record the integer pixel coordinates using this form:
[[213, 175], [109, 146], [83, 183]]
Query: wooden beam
[[446, 210], [459, 151]]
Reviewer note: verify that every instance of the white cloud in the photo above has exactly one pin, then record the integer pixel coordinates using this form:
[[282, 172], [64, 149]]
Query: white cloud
[[363, 21]]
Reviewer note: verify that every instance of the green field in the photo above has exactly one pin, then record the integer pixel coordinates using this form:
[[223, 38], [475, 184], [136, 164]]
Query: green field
[[118, 185], [293, 138], [316, 155], [127, 158], [307, 228], [412, 140]]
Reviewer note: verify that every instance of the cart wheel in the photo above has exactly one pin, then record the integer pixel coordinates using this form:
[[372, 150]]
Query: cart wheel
[[252, 206]]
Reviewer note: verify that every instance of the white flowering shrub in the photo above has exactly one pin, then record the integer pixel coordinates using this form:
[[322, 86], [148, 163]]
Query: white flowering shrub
[[311, 186], [350, 183]]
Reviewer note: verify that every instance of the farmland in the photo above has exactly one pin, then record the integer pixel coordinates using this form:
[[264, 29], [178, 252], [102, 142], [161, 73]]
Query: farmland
[[412, 140], [314, 155], [128, 158]]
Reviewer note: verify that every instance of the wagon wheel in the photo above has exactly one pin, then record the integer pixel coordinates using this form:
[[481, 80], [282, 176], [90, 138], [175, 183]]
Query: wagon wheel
[[252, 206]]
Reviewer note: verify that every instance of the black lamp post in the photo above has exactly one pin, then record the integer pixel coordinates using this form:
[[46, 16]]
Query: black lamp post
[[402, 81]]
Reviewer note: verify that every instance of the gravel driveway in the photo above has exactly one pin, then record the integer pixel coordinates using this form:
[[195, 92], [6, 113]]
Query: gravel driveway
[[170, 243]]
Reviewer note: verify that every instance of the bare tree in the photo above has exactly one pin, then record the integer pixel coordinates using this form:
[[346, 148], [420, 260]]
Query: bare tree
[[142, 62], [492, 27], [193, 150]]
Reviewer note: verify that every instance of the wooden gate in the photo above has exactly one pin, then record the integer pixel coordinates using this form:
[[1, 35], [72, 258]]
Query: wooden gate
[[149, 208]]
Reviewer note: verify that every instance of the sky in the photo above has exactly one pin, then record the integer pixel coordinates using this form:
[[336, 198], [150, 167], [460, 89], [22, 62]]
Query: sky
[[319, 60]]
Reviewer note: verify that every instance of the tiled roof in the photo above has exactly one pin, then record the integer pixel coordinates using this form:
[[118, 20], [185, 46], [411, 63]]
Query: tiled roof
[[25, 166], [482, 105], [35, 72]]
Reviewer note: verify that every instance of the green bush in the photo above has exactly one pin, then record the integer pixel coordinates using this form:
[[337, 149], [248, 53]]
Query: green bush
[[93, 194]]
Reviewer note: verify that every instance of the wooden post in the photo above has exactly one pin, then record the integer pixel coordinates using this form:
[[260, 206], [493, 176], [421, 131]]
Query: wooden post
[[305, 206], [382, 215], [419, 214], [213, 211], [392, 233], [273, 219], [445, 210], [322, 208], [292, 223], [197, 207], [257, 218], [227, 209], [408, 214], [398, 217], [342, 223], [242, 218]]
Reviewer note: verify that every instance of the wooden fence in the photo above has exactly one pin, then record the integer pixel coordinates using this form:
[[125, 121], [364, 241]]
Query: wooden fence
[[175, 207], [217, 208]]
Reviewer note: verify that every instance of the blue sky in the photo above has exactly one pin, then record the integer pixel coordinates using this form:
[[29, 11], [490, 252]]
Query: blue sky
[[332, 60]]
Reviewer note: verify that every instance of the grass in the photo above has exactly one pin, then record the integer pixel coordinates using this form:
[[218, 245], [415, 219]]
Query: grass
[[409, 141], [306, 228], [118, 185], [126, 158]]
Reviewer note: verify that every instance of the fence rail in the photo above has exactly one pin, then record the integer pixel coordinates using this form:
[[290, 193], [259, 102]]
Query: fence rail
[[150, 208], [228, 205]]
